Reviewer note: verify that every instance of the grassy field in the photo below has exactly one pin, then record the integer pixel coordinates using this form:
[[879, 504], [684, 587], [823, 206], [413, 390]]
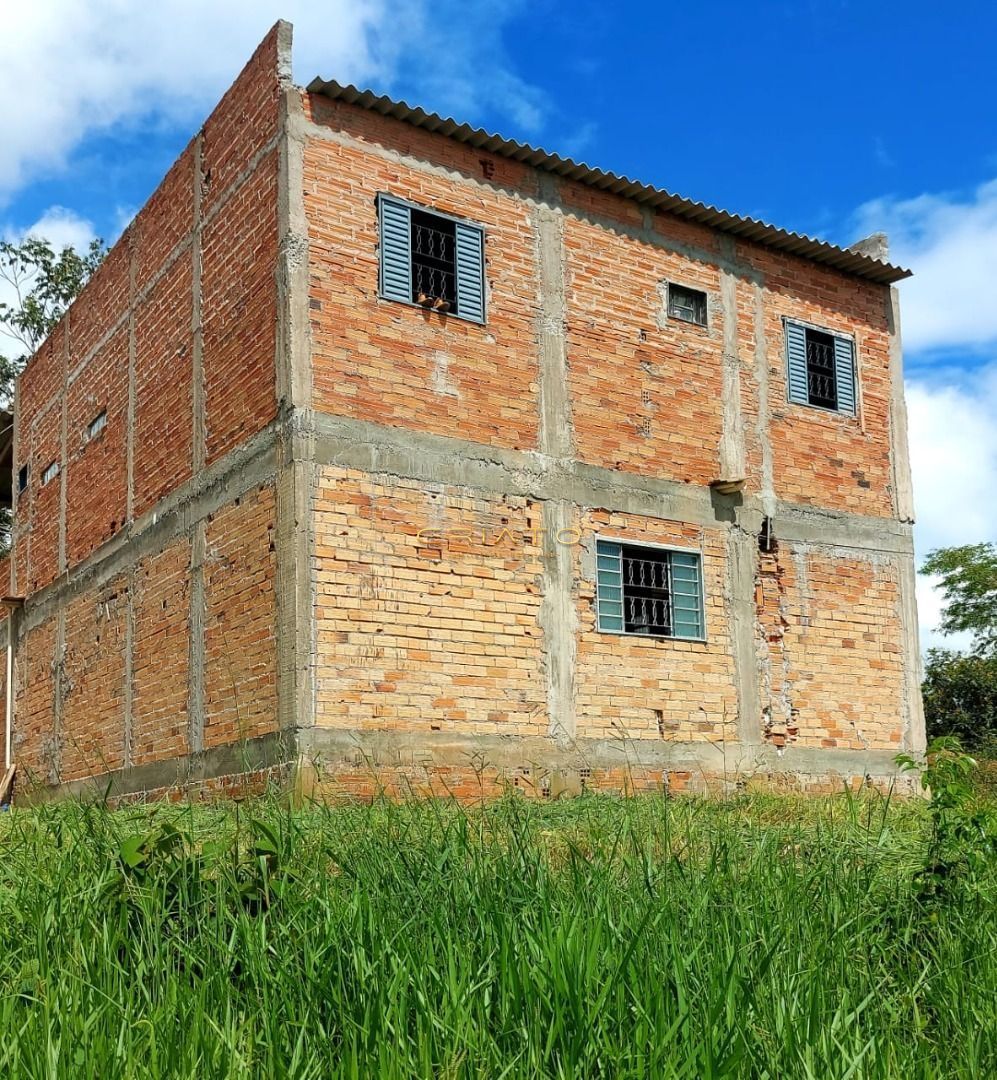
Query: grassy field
[[757, 937]]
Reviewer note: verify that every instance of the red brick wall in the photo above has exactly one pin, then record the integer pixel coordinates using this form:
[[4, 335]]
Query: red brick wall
[[161, 650], [640, 688], [645, 390], [97, 485], [163, 389], [34, 704], [240, 312], [91, 735], [829, 650], [437, 632], [239, 210], [398, 365], [240, 637]]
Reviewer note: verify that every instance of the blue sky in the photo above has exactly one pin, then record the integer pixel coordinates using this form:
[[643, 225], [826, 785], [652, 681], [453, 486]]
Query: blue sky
[[830, 118]]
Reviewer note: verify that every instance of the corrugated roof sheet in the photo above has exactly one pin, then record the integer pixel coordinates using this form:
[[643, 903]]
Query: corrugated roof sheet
[[851, 262]]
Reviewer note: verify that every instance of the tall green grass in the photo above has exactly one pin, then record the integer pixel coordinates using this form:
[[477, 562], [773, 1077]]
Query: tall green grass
[[594, 938]]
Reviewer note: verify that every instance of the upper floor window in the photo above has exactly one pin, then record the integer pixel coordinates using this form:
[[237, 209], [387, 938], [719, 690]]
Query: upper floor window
[[96, 425], [821, 368], [657, 592], [432, 260], [687, 304], [51, 472]]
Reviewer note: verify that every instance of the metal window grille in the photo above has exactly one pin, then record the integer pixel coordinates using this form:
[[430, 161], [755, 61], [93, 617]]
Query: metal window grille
[[434, 261], [51, 472], [650, 591], [822, 382], [687, 304], [647, 592], [96, 425]]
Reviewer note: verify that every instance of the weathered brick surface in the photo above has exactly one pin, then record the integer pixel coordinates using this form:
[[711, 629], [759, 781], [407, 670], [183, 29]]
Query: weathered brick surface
[[163, 388], [160, 664], [97, 485], [240, 638], [91, 732], [430, 632], [394, 364], [432, 602], [829, 650], [645, 389], [639, 688], [34, 733], [822, 458], [242, 124], [239, 312]]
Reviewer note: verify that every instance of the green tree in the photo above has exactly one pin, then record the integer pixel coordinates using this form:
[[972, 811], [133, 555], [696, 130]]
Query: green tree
[[44, 283], [960, 688]]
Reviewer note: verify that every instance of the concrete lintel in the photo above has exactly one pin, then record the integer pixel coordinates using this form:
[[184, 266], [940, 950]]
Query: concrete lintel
[[247, 467], [234, 760], [331, 747], [417, 455]]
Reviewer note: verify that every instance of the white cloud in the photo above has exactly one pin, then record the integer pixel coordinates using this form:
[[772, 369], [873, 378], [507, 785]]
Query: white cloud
[[953, 437], [68, 69], [950, 241]]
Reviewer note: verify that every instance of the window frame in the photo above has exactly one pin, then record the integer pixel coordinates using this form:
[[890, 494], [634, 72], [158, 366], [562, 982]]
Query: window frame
[[705, 324], [91, 434], [835, 335], [470, 223], [50, 472], [671, 549]]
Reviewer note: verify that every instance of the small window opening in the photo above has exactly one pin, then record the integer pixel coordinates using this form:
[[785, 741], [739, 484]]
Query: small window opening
[[96, 425], [687, 304], [51, 472], [766, 537], [822, 381], [22, 478], [434, 262]]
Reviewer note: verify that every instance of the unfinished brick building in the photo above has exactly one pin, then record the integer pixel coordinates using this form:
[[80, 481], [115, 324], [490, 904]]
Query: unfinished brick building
[[381, 450]]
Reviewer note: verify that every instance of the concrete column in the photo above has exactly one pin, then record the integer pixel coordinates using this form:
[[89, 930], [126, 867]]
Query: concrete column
[[295, 593], [556, 430], [733, 457], [132, 352], [742, 556], [198, 616], [199, 440], [559, 619], [903, 491], [64, 444]]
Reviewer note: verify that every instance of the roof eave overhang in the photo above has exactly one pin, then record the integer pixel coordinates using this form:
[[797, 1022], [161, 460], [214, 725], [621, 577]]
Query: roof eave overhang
[[843, 259]]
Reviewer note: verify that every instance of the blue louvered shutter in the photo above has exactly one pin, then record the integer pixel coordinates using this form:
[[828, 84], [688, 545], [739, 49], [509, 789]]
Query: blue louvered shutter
[[796, 358], [396, 251], [844, 373], [609, 585], [687, 595], [470, 272]]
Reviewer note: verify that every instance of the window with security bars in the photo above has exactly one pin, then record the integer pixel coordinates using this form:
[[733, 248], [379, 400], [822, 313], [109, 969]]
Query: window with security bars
[[651, 591], [821, 368], [431, 260]]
